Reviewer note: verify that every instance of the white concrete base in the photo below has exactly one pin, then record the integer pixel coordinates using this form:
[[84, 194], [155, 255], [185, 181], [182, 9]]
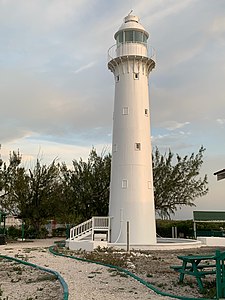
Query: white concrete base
[[212, 241], [85, 245], [162, 244]]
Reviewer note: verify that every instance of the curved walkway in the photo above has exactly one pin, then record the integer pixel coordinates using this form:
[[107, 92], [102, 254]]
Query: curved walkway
[[86, 281]]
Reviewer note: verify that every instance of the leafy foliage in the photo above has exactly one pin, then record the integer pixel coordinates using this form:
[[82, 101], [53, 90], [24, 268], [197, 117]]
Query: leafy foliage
[[86, 187], [11, 176], [31, 194], [54, 191], [177, 184], [73, 195]]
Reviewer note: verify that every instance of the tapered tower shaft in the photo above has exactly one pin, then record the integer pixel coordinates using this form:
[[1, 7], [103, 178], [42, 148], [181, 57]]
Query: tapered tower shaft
[[131, 190]]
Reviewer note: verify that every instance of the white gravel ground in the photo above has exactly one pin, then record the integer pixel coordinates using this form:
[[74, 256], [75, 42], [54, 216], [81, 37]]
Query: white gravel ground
[[85, 281]]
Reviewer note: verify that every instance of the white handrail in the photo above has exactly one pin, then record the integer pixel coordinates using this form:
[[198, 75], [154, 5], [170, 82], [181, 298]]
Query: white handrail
[[124, 49], [81, 228], [90, 225]]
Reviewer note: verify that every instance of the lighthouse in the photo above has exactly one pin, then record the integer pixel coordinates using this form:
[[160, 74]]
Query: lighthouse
[[131, 188]]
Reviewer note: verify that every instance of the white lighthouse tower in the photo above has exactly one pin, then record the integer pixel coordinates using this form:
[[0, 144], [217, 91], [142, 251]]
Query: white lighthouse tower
[[131, 191]]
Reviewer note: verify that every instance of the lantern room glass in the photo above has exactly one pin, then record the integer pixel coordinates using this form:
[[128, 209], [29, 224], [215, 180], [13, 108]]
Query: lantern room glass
[[131, 36]]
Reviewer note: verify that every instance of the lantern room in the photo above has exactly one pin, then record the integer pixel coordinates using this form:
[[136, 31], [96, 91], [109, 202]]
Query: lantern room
[[131, 38]]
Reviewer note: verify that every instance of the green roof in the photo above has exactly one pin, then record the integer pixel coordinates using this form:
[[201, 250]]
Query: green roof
[[209, 216]]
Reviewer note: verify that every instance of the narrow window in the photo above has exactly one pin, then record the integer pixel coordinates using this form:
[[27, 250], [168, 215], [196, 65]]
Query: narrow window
[[145, 39], [137, 146], [146, 112], [119, 38], [125, 110], [149, 184], [117, 78], [129, 36], [114, 147], [124, 184], [136, 76], [138, 36], [143, 69]]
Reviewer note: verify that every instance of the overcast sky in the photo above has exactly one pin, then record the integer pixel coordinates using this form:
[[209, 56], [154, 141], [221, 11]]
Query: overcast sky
[[56, 93]]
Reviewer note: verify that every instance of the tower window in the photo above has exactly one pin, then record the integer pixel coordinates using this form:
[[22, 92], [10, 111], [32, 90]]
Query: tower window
[[146, 112], [119, 38], [149, 184], [136, 75], [129, 36], [137, 146], [114, 147], [117, 78], [124, 184], [125, 110], [138, 36]]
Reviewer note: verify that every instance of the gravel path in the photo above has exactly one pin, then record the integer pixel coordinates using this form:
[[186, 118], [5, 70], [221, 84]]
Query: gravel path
[[85, 281]]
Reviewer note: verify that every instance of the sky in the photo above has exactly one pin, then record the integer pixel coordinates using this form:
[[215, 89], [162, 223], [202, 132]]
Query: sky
[[56, 93]]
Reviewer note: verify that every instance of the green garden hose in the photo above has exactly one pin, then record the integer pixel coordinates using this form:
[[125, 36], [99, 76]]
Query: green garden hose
[[59, 277], [145, 283]]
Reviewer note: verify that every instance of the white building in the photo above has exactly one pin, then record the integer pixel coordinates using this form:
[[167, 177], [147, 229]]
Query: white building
[[131, 193], [12, 221]]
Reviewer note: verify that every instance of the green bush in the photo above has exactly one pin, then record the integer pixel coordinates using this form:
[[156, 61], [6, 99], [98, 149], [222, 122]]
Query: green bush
[[61, 232], [2, 231], [184, 228], [43, 233], [14, 232]]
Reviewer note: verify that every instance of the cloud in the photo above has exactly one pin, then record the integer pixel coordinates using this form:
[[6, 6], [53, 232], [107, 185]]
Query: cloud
[[31, 106], [85, 67], [42, 15], [173, 125], [220, 121], [175, 140], [218, 27]]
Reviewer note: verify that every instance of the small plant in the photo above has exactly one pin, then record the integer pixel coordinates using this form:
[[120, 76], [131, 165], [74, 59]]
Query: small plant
[[18, 269], [46, 277], [21, 256], [161, 285], [209, 289], [149, 275], [1, 293], [115, 272]]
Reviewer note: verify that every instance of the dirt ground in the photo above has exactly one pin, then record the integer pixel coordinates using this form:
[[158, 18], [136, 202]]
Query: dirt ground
[[23, 282], [154, 268], [19, 281]]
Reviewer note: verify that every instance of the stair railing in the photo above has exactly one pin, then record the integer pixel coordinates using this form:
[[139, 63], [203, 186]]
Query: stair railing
[[89, 225]]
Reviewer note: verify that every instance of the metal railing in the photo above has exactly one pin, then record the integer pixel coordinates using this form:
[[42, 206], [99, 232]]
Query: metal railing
[[89, 225], [129, 48]]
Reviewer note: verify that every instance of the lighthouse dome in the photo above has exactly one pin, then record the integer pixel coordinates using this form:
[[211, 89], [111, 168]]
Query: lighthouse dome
[[131, 31], [131, 22]]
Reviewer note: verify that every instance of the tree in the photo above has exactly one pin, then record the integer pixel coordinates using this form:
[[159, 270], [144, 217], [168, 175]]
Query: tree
[[176, 181], [86, 187], [31, 195], [43, 191], [74, 195], [9, 174]]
